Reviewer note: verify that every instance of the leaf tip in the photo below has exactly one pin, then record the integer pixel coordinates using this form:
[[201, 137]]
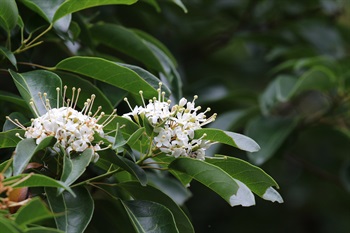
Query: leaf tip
[[272, 195]]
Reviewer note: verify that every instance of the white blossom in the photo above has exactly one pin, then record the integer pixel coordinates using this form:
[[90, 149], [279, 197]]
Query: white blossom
[[73, 129], [175, 125]]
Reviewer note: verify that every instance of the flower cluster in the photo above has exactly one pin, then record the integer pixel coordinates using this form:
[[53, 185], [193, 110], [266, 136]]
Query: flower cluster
[[74, 130], [175, 125]]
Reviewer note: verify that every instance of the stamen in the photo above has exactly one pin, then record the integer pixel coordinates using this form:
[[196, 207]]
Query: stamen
[[194, 98], [47, 105], [110, 118], [101, 115], [86, 106], [68, 101], [92, 102], [77, 98], [107, 147], [34, 108], [127, 101], [64, 95], [159, 94], [209, 120], [143, 100], [42, 100], [163, 96], [58, 97], [98, 109], [73, 94], [16, 123], [19, 136]]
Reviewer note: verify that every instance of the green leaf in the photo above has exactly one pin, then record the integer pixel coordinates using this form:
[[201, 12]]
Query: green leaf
[[252, 176], [9, 139], [73, 213], [229, 138], [26, 149], [270, 133], [12, 98], [35, 180], [73, 168], [42, 230], [47, 10], [8, 226], [72, 6], [180, 4], [9, 55], [150, 193], [8, 14], [126, 41], [31, 83], [231, 190], [87, 89], [34, 211], [284, 87], [154, 4], [127, 165], [108, 72], [150, 216]]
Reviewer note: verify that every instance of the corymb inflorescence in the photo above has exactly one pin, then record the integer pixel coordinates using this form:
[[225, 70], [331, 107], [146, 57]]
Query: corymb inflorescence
[[73, 129]]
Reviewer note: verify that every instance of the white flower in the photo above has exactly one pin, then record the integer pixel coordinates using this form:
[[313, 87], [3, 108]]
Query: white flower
[[73, 129], [175, 125]]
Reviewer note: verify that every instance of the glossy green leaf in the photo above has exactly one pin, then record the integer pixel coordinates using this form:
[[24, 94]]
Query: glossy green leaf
[[252, 176], [153, 3], [127, 165], [109, 72], [12, 98], [150, 216], [72, 6], [47, 10], [31, 83], [26, 149], [33, 211], [35, 180], [5, 168], [270, 133], [9, 139], [8, 14], [150, 193], [126, 41], [9, 55], [73, 213], [229, 138], [73, 168], [119, 140], [87, 89], [215, 178]]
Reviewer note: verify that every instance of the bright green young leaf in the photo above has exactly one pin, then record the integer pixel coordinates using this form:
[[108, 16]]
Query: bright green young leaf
[[31, 83], [26, 149], [35, 180], [231, 190], [9, 139], [150, 216], [9, 55], [150, 193], [8, 226], [126, 41], [87, 89], [253, 177], [73, 168], [73, 214], [8, 14], [277, 129], [108, 72], [34, 211], [229, 138], [72, 6]]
